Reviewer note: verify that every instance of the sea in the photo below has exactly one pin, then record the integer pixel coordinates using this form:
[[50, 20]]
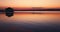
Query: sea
[[30, 21]]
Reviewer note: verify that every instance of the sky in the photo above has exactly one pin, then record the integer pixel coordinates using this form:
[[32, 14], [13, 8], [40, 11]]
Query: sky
[[30, 3]]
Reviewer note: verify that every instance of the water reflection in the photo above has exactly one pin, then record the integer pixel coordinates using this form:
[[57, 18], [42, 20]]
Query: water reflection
[[31, 18], [30, 23]]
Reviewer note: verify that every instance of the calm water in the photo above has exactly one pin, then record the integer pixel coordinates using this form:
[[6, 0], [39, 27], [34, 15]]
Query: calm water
[[29, 22]]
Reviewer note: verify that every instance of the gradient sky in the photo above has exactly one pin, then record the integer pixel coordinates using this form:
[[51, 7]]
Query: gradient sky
[[30, 3]]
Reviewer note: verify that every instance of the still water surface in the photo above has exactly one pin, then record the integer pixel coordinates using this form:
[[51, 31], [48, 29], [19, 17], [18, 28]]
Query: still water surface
[[31, 18], [33, 22]]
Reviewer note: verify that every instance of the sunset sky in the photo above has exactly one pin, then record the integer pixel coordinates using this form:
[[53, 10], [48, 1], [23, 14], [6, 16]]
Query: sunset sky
[[30, 3]]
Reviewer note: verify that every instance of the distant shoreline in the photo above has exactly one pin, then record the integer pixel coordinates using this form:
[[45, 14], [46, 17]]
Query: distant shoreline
[[35, 12]]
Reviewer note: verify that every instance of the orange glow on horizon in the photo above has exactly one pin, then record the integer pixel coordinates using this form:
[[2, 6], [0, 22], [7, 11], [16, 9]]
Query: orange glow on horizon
[[30, 3]]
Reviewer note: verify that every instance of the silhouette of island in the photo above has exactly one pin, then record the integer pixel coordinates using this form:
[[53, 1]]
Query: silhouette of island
[[33, 9], [9, 11], [39, 9]]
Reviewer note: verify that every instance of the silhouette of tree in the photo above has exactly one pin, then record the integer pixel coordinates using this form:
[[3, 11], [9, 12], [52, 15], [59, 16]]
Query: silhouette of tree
[[9, 11]]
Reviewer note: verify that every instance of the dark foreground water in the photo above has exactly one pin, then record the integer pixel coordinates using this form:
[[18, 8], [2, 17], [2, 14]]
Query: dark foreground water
[[28, 22]]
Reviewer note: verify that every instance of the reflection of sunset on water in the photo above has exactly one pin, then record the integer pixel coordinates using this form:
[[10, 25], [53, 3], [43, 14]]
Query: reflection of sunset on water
[[30, 15], [31, 18]]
